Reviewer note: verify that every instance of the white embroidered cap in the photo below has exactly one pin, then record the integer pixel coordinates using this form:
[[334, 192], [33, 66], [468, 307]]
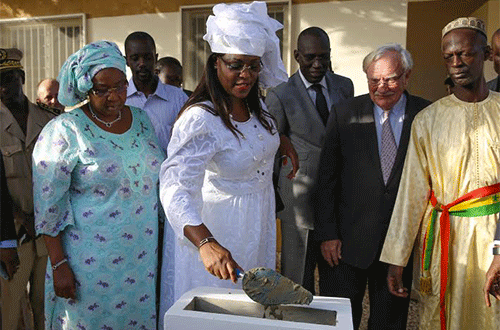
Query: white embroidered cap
[[247, 29], [472, 23]]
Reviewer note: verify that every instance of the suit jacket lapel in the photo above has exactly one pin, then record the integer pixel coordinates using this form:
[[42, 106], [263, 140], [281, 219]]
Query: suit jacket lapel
[[370, 135], [333, 89]]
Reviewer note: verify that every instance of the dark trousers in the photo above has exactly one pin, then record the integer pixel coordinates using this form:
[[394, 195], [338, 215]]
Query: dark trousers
[[312, 255], [295, 243], [386, 311]]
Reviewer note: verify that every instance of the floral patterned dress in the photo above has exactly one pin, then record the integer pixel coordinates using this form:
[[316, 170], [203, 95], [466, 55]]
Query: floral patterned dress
[[100, 191]]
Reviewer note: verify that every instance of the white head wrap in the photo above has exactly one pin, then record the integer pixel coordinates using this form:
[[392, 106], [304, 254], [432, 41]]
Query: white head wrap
[[246, 29]]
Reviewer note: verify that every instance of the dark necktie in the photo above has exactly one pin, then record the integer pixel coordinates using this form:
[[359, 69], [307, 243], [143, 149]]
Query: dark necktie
[[321, 104], [389, 148]]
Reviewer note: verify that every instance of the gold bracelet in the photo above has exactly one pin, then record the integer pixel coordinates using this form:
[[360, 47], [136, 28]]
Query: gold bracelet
[[206, 240]]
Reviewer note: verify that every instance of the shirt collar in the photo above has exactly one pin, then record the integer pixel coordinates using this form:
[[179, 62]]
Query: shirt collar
[[131, 89], [308, 84], [160, 91], [397, 110]]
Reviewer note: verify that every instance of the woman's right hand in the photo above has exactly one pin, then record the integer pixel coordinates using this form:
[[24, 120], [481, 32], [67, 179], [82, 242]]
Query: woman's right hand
[[218, 261], [64, 282]]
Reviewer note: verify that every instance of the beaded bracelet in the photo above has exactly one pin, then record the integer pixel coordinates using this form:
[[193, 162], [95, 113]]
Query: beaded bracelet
[[205, 241], [59, 264]]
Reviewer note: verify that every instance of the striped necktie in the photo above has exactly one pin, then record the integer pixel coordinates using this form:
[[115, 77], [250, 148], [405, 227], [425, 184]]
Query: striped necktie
[[389, 148]]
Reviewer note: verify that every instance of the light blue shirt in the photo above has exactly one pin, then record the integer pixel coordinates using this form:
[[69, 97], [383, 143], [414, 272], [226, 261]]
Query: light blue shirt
[[396, 117], [162, 107]]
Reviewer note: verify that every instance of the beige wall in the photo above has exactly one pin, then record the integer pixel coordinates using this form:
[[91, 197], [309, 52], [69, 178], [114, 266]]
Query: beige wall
[[425, 22], [355, 28], [93, 8], [100, 8], [165, 28], [490, 12]]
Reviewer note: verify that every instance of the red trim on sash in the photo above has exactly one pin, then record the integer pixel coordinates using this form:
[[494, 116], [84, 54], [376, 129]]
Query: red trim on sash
[[444, 223]]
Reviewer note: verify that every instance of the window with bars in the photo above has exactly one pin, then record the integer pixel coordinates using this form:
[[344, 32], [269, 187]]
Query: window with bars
[[46, 43], [195, 50]]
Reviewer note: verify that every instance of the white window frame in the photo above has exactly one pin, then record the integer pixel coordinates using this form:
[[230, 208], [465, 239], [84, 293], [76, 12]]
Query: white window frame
[[41, 42]]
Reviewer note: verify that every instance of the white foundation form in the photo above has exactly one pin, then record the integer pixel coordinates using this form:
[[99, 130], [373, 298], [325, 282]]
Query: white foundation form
[[210, 308]]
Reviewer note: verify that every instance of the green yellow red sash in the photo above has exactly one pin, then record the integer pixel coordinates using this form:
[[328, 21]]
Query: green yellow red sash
[[479, 202]]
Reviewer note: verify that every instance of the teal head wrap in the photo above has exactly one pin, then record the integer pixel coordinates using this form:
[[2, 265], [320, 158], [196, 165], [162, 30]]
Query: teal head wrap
[[75, 77]]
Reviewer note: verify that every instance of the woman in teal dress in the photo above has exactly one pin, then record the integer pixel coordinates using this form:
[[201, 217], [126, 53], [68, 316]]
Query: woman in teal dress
[[96, 199]]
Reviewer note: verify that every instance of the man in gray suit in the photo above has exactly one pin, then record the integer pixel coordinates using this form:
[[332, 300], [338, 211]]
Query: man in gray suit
[[495, 57], [301, 107]]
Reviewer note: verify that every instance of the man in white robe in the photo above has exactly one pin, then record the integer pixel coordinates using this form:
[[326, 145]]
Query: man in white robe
[[453, 163]]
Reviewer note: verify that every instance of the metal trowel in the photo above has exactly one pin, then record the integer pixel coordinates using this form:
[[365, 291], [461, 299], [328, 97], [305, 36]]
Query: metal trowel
[[269, 288]]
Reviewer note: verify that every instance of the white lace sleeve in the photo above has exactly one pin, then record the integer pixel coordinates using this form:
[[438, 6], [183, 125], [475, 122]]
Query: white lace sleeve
[[191, 147]]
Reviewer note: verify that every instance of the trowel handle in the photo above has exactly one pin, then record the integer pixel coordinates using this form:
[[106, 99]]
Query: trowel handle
[[239, 273]]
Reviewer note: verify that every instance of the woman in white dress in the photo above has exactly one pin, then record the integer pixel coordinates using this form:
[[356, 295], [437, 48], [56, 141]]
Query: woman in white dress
[[216, 185]]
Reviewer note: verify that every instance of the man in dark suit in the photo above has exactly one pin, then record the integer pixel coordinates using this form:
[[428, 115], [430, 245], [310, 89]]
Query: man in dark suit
[[301, 107], [357, 182]]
